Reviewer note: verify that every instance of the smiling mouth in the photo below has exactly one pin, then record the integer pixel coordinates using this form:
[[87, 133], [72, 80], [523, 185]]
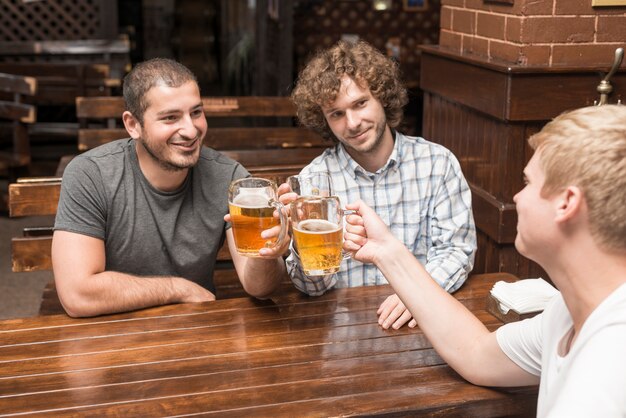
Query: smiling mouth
[[186, 144], [359, 135]]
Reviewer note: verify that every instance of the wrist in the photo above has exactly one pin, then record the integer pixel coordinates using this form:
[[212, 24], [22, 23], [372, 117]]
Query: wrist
[[387, 252]]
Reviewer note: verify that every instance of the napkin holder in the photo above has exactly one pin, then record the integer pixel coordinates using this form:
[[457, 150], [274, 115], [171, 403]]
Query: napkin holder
[[493, 307]]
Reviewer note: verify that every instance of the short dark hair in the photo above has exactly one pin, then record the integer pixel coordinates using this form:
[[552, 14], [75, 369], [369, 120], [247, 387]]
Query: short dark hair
[[320, 81], [147, 74]]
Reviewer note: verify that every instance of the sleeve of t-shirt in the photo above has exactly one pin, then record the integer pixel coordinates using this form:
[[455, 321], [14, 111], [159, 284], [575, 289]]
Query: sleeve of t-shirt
[[82, 203], [522, 343]]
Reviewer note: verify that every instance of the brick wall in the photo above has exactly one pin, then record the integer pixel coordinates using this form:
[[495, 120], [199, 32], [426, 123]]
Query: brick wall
[[534, 32]]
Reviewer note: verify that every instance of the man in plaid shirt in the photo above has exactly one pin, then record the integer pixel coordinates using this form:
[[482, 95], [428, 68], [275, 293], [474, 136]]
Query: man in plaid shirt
[[352, 95]]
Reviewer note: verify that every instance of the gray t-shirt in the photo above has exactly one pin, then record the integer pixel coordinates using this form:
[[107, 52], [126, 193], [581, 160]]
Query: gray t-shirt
[[148, 232]]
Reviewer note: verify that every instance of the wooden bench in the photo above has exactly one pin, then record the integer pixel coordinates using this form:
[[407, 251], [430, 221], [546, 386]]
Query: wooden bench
[[65, 70], [62, 83], [19, 115], [260, 131], [58, 85], [114, 52], [257, 131]]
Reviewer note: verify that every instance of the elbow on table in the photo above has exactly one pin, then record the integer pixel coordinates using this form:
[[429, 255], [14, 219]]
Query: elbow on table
[[74, 303], [260, 292]]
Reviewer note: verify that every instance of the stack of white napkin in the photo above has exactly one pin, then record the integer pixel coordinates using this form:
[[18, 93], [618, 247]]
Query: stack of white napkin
[[523, 296]]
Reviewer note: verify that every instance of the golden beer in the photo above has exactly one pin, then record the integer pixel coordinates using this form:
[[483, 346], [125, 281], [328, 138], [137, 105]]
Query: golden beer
[[319, 245], [250, 214]]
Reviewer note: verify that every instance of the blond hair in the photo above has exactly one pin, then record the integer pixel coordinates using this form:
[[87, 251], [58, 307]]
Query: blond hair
[[319, 83], [587, 148]]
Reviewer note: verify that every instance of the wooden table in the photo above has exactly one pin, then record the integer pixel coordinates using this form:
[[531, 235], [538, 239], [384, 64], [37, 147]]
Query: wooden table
[[291, 356]]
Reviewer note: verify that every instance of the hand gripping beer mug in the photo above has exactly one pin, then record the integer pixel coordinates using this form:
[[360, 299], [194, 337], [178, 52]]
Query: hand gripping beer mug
[[311, 184], [317, 224], [252, 202]]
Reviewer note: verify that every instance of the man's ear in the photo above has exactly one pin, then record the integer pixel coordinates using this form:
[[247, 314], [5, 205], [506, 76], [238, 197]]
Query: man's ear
[[132, 125], [569, 204]]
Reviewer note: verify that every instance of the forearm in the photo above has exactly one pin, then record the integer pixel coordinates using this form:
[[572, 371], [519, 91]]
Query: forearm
[[261, 276], [110, 292], [452, 329]]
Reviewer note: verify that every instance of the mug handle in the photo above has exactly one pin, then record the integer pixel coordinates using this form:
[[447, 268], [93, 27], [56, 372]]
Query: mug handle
[[284, 222], [346, 212]]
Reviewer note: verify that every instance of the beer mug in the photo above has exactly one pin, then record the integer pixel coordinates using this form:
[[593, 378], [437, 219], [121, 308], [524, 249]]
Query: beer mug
[[317, 225], [311, 184], [251, 203]]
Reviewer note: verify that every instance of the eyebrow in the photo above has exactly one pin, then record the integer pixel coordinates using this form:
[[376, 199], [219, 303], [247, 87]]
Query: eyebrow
[[358, 99], [168, 111]]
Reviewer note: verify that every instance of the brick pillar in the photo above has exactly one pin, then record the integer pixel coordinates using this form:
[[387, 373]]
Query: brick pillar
[[531, 32]]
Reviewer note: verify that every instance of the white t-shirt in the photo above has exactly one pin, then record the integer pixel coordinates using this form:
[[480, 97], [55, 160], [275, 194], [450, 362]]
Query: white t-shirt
[[590, 381]]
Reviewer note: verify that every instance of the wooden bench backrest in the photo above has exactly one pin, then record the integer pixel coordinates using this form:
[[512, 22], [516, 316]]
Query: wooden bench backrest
[[61, 83], [253, 146], [114, 52], [19, 114]]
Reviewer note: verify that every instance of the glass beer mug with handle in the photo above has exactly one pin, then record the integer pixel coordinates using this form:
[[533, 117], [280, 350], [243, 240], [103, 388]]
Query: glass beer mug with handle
[[317, 225], [311, 184], [251, 203]]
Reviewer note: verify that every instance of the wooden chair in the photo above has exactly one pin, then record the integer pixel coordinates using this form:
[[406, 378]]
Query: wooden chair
[[19, 115]]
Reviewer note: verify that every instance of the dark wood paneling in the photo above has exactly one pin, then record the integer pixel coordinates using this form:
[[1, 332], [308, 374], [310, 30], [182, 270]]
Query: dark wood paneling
[[513, 92], [492, 256], [465, 84], [498, 220], [488, 149], [545, 96]]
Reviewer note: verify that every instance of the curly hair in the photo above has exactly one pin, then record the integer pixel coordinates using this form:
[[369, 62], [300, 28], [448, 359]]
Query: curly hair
[[156, 71], [319, 83]]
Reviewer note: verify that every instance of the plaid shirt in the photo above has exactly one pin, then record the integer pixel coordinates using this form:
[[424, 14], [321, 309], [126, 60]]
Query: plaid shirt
[[421, 195]]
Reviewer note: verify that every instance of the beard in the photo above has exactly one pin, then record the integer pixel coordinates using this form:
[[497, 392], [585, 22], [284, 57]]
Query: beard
[[159, 155], [373, 146]]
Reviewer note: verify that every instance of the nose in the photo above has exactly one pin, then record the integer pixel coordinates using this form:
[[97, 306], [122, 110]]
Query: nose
[[187, 127], [352, 119]]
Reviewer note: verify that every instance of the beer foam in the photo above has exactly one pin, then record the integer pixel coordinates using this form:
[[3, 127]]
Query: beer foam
[[251, 200], [317, 226]]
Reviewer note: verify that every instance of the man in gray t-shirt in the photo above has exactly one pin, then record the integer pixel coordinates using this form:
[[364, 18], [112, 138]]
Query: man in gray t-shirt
[[140, 220]]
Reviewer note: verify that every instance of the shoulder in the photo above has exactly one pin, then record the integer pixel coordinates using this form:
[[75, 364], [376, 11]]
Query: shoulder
[[428, 156], [214, 158], [323, 162], [422, 147], [91, 160], [109, 149], [213, 161]]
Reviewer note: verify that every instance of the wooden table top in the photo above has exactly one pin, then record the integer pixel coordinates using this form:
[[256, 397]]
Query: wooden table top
[[291, 356]]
